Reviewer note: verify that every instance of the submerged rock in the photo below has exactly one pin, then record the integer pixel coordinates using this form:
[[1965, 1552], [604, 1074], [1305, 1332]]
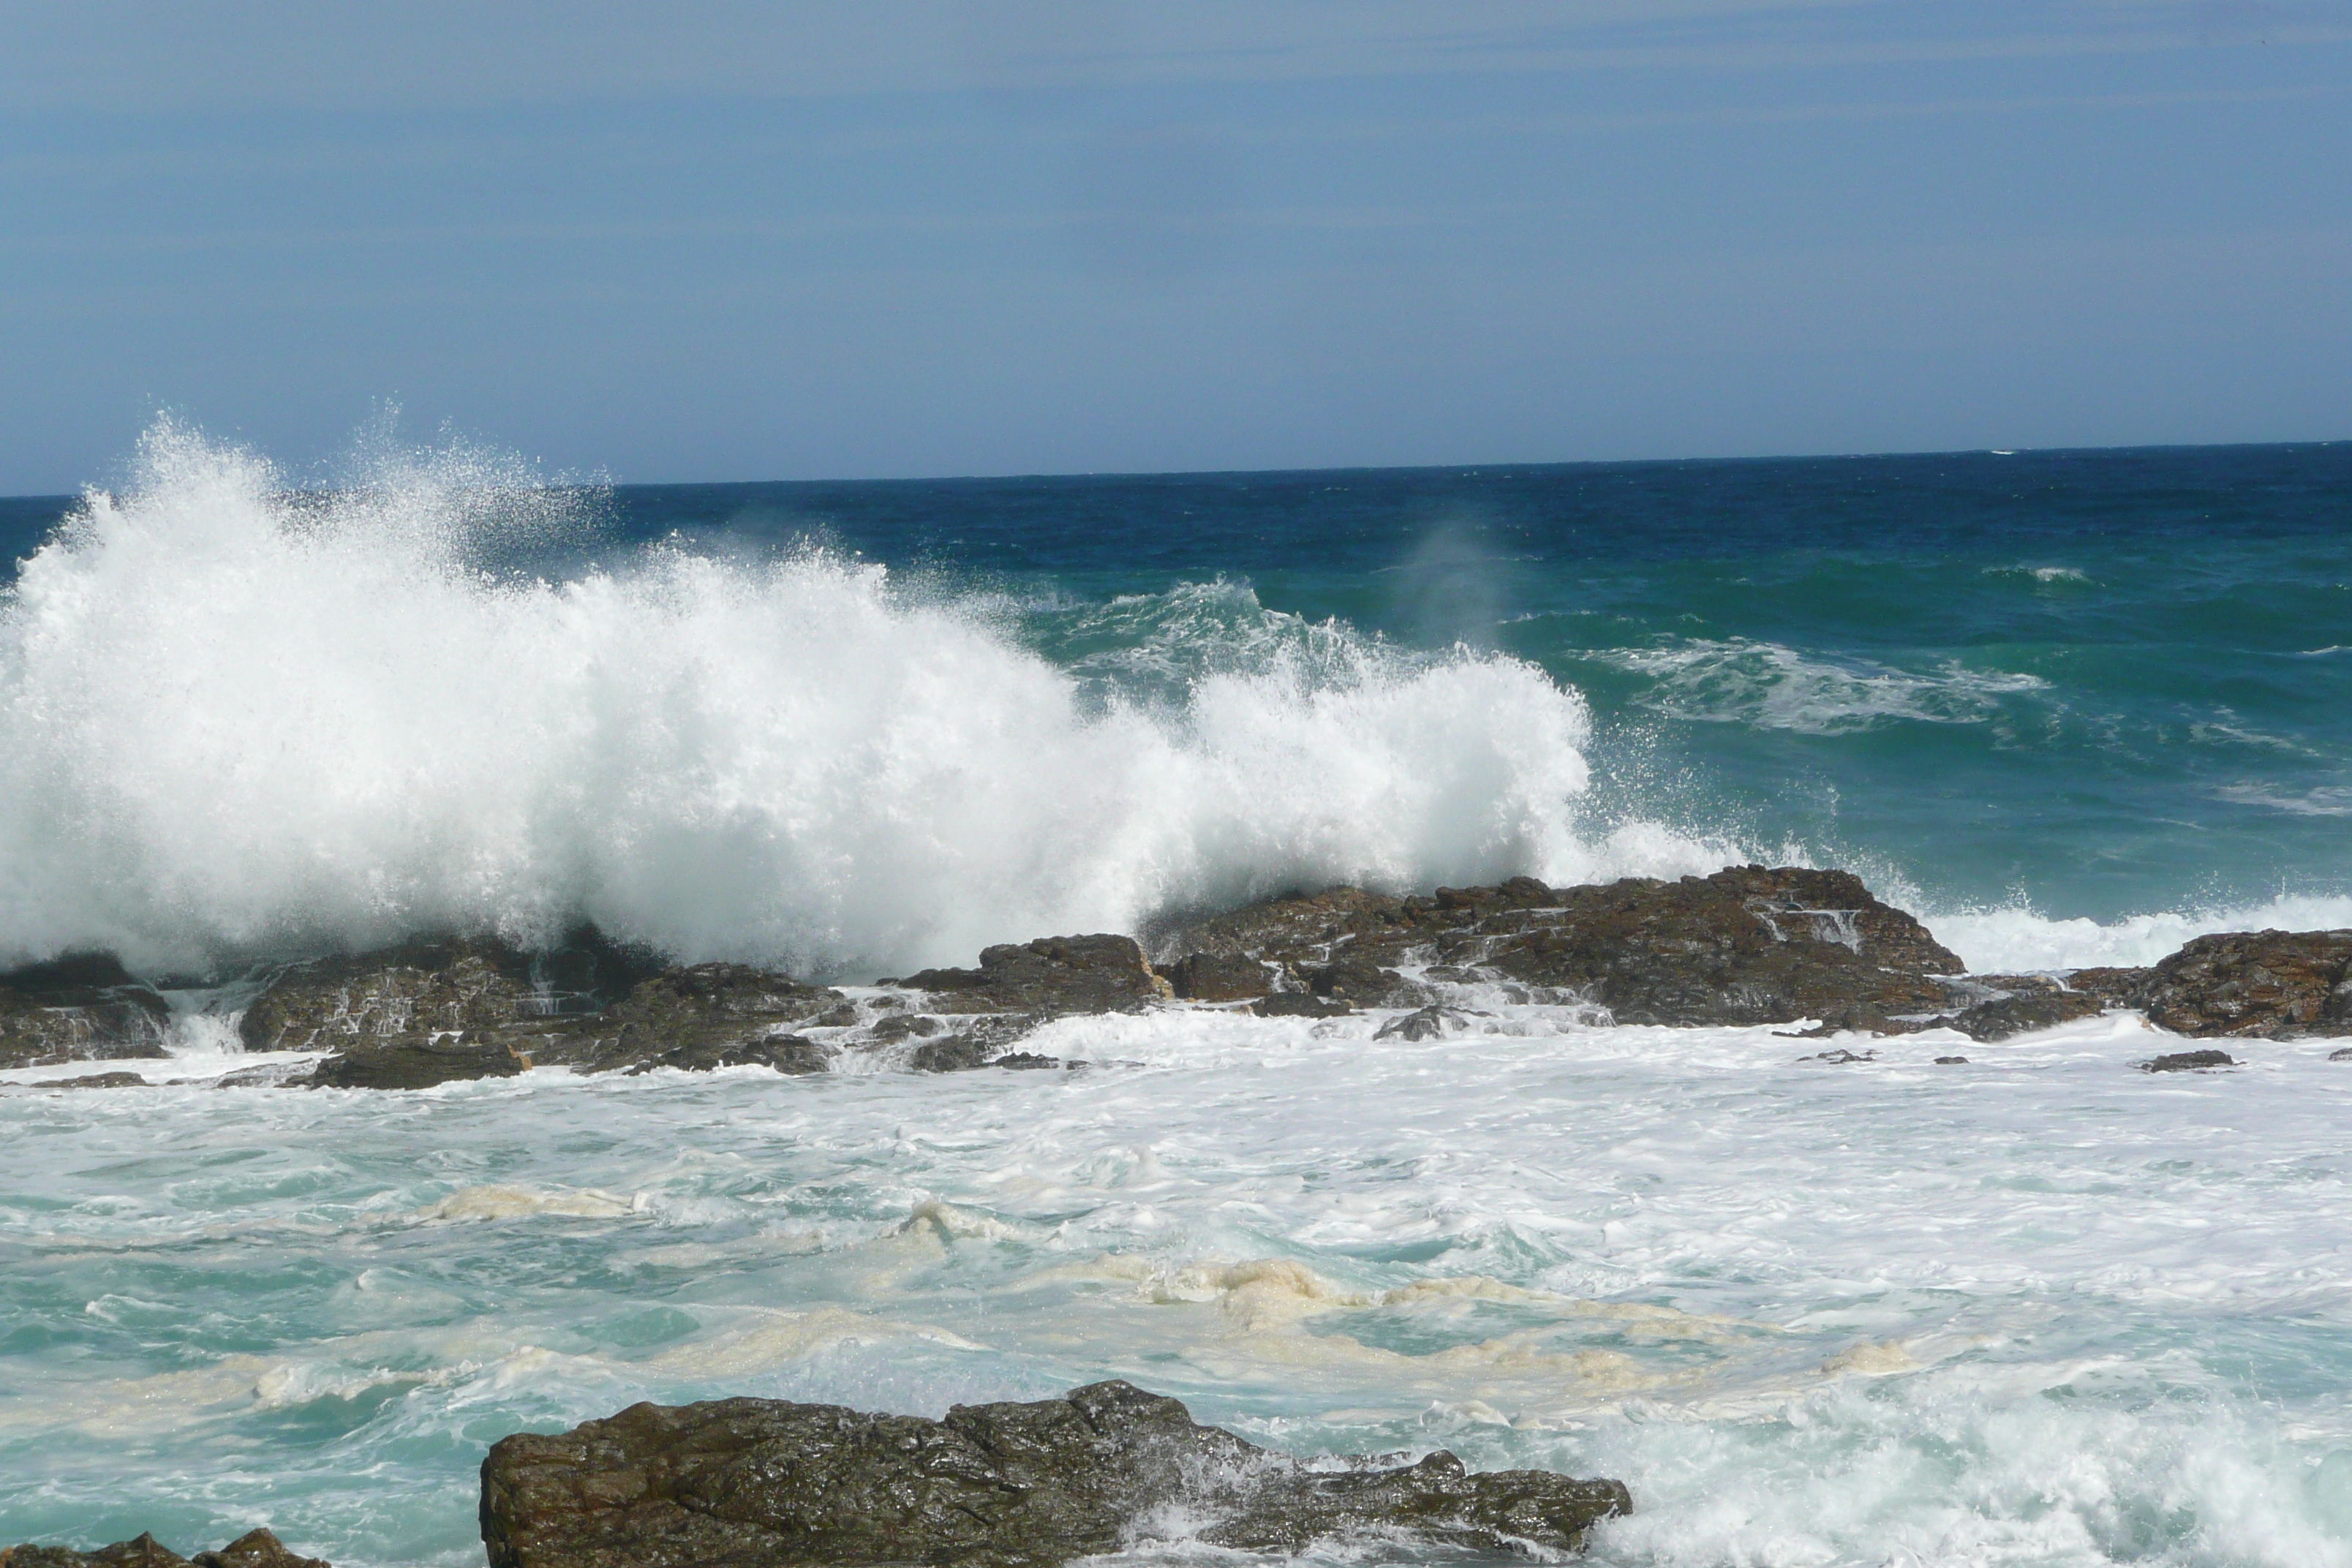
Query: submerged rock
[[85, 1007], [2190, 1061], [254, 1549], [2270, 985], [1747, 945], [755, 1481], [1999, 1020]]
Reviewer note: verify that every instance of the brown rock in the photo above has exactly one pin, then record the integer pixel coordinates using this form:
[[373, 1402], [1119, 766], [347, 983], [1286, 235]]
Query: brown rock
[[85, 1007], [1048, 978], [753, 1481], [1214, 977], [2271, 984]]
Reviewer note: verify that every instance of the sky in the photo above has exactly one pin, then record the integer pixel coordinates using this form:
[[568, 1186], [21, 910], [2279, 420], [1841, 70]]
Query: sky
[[903, 237]]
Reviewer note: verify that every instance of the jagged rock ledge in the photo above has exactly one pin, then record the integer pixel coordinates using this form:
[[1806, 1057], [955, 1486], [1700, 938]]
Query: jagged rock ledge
[[766, 1483], [1747, 945], [758, 1482]]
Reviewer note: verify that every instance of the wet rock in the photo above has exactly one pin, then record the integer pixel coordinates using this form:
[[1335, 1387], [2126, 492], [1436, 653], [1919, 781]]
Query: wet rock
[[2270, 985], [752, 1481], [1952, 1061], [1430, 1023], [1999, 1020], [413, 1062], [694, 1017], [2190, 1061], [1215, 977], [86, 1007], [436, 1012], [790, 1054], [1859, 1021], [99, 1080], [1029, 1062], [1358, 981], [254, 1549], [2341, 1054], [1048, 978], [2117, 988], [1841, 1058], [1747, 945]]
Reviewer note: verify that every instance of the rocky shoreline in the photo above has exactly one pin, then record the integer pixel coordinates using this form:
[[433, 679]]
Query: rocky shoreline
[[767, 1483], [1748, 945]]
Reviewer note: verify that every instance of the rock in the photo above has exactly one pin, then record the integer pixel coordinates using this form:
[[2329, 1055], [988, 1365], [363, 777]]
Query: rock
[[1430, 1023], [415, 1062], [2341, 1054], [1841, 1058], [2271, 984], [1952, 1061], [1998, 1020], [2190, 1061], [84, 1007], [753, 1481], [1358, 981], [434, 1012], [2114, 986], [696, 1019], [1048, 978], [1030, 1061], [98, 1080], [782, 1053], [257, 1549], [1747, 945], [254, 1549], [1214, 977]]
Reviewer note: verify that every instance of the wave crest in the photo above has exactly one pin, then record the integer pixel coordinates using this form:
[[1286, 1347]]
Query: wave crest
[[235, 718]]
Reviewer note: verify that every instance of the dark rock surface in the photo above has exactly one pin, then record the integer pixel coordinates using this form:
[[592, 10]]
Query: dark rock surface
[[1213, 977], [2117, 988], [254, 1549], [2270, 985], [737, 1483], [81, 1008], [1048, 978], [2190, 1061], [1747, 945], [436, 1012], [1999, 1020]]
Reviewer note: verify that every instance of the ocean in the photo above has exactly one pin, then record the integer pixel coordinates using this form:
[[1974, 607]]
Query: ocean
[[2071, 707]]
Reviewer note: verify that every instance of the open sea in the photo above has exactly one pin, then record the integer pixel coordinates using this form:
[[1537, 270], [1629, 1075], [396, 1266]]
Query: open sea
[[2071, 707]]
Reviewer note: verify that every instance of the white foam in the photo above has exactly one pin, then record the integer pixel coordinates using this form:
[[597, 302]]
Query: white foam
[[2018, 940], [231, 720], [1740, 680]]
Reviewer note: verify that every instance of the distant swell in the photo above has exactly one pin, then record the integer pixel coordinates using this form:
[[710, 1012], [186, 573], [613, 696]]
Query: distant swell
[[235, 721]]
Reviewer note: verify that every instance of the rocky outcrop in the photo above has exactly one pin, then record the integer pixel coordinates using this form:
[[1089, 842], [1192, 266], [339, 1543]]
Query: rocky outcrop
[[2270, 985], [254, 1549], [1048, 978], [440, 1012], [81, 1008], [755, 1481], [1747, 945]]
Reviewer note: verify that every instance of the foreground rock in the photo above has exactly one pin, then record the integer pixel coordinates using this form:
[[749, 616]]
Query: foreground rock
[[1747, 945], [255, 1549], [2271, 984], [82, 1009], [751, 1482]]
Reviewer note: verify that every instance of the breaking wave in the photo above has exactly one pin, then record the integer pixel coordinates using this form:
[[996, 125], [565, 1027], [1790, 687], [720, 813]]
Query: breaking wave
[[236, 718]]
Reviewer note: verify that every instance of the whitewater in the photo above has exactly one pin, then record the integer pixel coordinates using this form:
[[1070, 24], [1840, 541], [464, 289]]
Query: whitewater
[[2035, 1308]]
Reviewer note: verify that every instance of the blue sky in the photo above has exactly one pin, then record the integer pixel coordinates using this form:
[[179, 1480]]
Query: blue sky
[[946, 236]]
